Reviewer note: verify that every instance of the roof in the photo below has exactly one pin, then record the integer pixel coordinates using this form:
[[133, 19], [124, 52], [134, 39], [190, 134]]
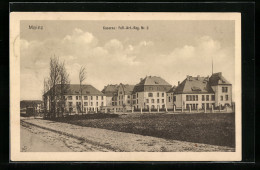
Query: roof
[[128, 89], [194, 85], [153, 80], [217, 79], [110, 89], [172, 89], [74, 89]]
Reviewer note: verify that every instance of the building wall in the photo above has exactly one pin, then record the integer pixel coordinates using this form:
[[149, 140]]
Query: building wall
[[219, 92], [146, 101], [88, 104], [198, 102]]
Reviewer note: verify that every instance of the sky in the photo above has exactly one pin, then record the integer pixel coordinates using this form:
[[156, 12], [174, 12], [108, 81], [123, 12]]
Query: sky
[[169, 49]]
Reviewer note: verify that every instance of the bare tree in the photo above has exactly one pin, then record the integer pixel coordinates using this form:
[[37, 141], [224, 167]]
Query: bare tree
[[46, 89], [54, 80], [82, 77], [64, 87]]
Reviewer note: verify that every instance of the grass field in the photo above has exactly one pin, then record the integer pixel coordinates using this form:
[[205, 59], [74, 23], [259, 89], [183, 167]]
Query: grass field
[[215, 129]]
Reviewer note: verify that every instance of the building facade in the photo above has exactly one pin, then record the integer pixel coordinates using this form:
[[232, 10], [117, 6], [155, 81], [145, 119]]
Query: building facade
[[150, 93], [92, 100], [203, 92]]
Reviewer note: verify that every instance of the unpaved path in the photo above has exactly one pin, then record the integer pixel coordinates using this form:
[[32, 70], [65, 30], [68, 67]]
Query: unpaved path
[[35, 139], [107, 140]]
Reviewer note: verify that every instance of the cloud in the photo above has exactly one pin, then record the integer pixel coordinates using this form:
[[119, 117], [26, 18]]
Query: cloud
[[117, 61]]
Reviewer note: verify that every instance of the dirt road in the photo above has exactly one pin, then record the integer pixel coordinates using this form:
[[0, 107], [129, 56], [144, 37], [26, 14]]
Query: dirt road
[[67, 137], [36, 139]]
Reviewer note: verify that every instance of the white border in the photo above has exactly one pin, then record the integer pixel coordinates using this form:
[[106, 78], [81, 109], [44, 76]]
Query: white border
[[16, 155]]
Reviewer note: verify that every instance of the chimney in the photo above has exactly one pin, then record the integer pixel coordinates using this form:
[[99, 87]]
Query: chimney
[[178, 83]]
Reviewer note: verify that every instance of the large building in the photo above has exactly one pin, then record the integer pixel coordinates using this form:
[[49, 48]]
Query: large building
[[203, 92], [92, 99], [119, 97], [150, 93]]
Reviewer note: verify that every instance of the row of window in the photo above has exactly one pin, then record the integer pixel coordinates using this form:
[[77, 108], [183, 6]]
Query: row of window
[[174, 99], [222, 98], [152, 101], [224, 89], [158, 94], [85, 97], [85, 104], [207, 97]]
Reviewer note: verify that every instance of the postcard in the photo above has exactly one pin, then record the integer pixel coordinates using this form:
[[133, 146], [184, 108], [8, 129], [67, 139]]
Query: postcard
[[132, 86]]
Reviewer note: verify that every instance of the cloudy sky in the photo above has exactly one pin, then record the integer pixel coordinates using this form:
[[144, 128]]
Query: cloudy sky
[[169, 49]]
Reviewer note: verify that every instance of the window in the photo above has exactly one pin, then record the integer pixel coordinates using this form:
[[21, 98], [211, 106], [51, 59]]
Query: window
[[152, 100], [128, 101], [128, 96], [137, 95], [91, 103], [158, 100], [152, 106], [102, 104], [221, 98], [187, 106], [96, 103], [158, 94], [162, 100], [85, 103], [150, 88], [197, 98], [169, 99], [207, 105], [150, 94], [69, 97], [85, 97], [207, 97], [213, 97], [134, 96], [193, 97], [70, 104], [91, 97], [224, 89], [203, 105], [136, 101], [162, 94], [174, 98], [77, 97], [187, 97], [203, 98], [147, 100], [226, 97], [102, 97], [96, 97]]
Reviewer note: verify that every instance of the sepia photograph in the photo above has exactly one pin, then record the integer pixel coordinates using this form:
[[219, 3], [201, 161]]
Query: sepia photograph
[[125, 86]]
